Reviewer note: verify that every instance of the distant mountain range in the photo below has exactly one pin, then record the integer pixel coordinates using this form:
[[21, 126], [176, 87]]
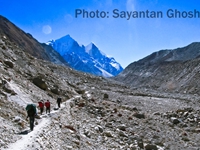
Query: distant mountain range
[[176, 70], [86, 58]]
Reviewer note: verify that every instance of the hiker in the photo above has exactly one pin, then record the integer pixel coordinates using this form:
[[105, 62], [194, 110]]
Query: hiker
[[31, 113], [41, 106], [59, 101], [47, 105]]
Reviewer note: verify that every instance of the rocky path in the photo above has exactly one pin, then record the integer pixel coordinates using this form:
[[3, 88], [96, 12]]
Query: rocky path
[[26, 141], [29, 140]]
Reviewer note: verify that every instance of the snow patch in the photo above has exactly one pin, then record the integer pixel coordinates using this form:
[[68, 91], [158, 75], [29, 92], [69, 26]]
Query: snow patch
[[115, 65], [84, 61], [105, 73]]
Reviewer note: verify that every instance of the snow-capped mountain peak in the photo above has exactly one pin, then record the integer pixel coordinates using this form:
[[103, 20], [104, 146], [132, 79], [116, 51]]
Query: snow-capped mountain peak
[[66, 38], [63, 44], [89, 47], [86, 58], [93, 50], [50, 42]]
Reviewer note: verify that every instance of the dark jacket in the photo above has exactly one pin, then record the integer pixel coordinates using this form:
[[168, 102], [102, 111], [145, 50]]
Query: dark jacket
[[31, 110], [59, 100]]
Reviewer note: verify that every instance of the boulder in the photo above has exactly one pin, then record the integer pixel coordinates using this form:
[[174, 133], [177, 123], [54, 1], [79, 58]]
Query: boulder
[[87, 133], [140, 143], [156, 113], [174, 120], [108, 134], [121, 133], [39, 82], [99, 128], [17, 119], [197, 130], [55, 91], [122, 127], [7, 88], [80, 91], [105, 96], [151, 147], [9, 63], [139, 116]]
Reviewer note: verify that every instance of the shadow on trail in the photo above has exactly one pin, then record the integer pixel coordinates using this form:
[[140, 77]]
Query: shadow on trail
[[24, 132]]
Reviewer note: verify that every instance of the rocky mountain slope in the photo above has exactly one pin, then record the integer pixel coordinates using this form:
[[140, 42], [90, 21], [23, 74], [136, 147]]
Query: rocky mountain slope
[[167, 70], [27, 43], [96, 113], [86, 58]]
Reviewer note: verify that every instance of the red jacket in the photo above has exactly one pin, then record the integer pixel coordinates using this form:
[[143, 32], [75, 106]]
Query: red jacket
[[47, 104], [41, 104]]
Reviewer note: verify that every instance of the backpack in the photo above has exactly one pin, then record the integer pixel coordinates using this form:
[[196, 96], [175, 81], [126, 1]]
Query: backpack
[[31, 109], [59, 100]]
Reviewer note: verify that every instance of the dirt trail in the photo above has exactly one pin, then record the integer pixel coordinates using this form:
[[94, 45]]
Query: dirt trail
[[28, 138]]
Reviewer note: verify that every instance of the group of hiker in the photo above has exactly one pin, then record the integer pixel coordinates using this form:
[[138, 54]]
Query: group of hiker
[[32, 112], [41, 105]]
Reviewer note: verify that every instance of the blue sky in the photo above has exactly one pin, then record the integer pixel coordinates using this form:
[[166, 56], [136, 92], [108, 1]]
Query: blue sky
[[126, 40]]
